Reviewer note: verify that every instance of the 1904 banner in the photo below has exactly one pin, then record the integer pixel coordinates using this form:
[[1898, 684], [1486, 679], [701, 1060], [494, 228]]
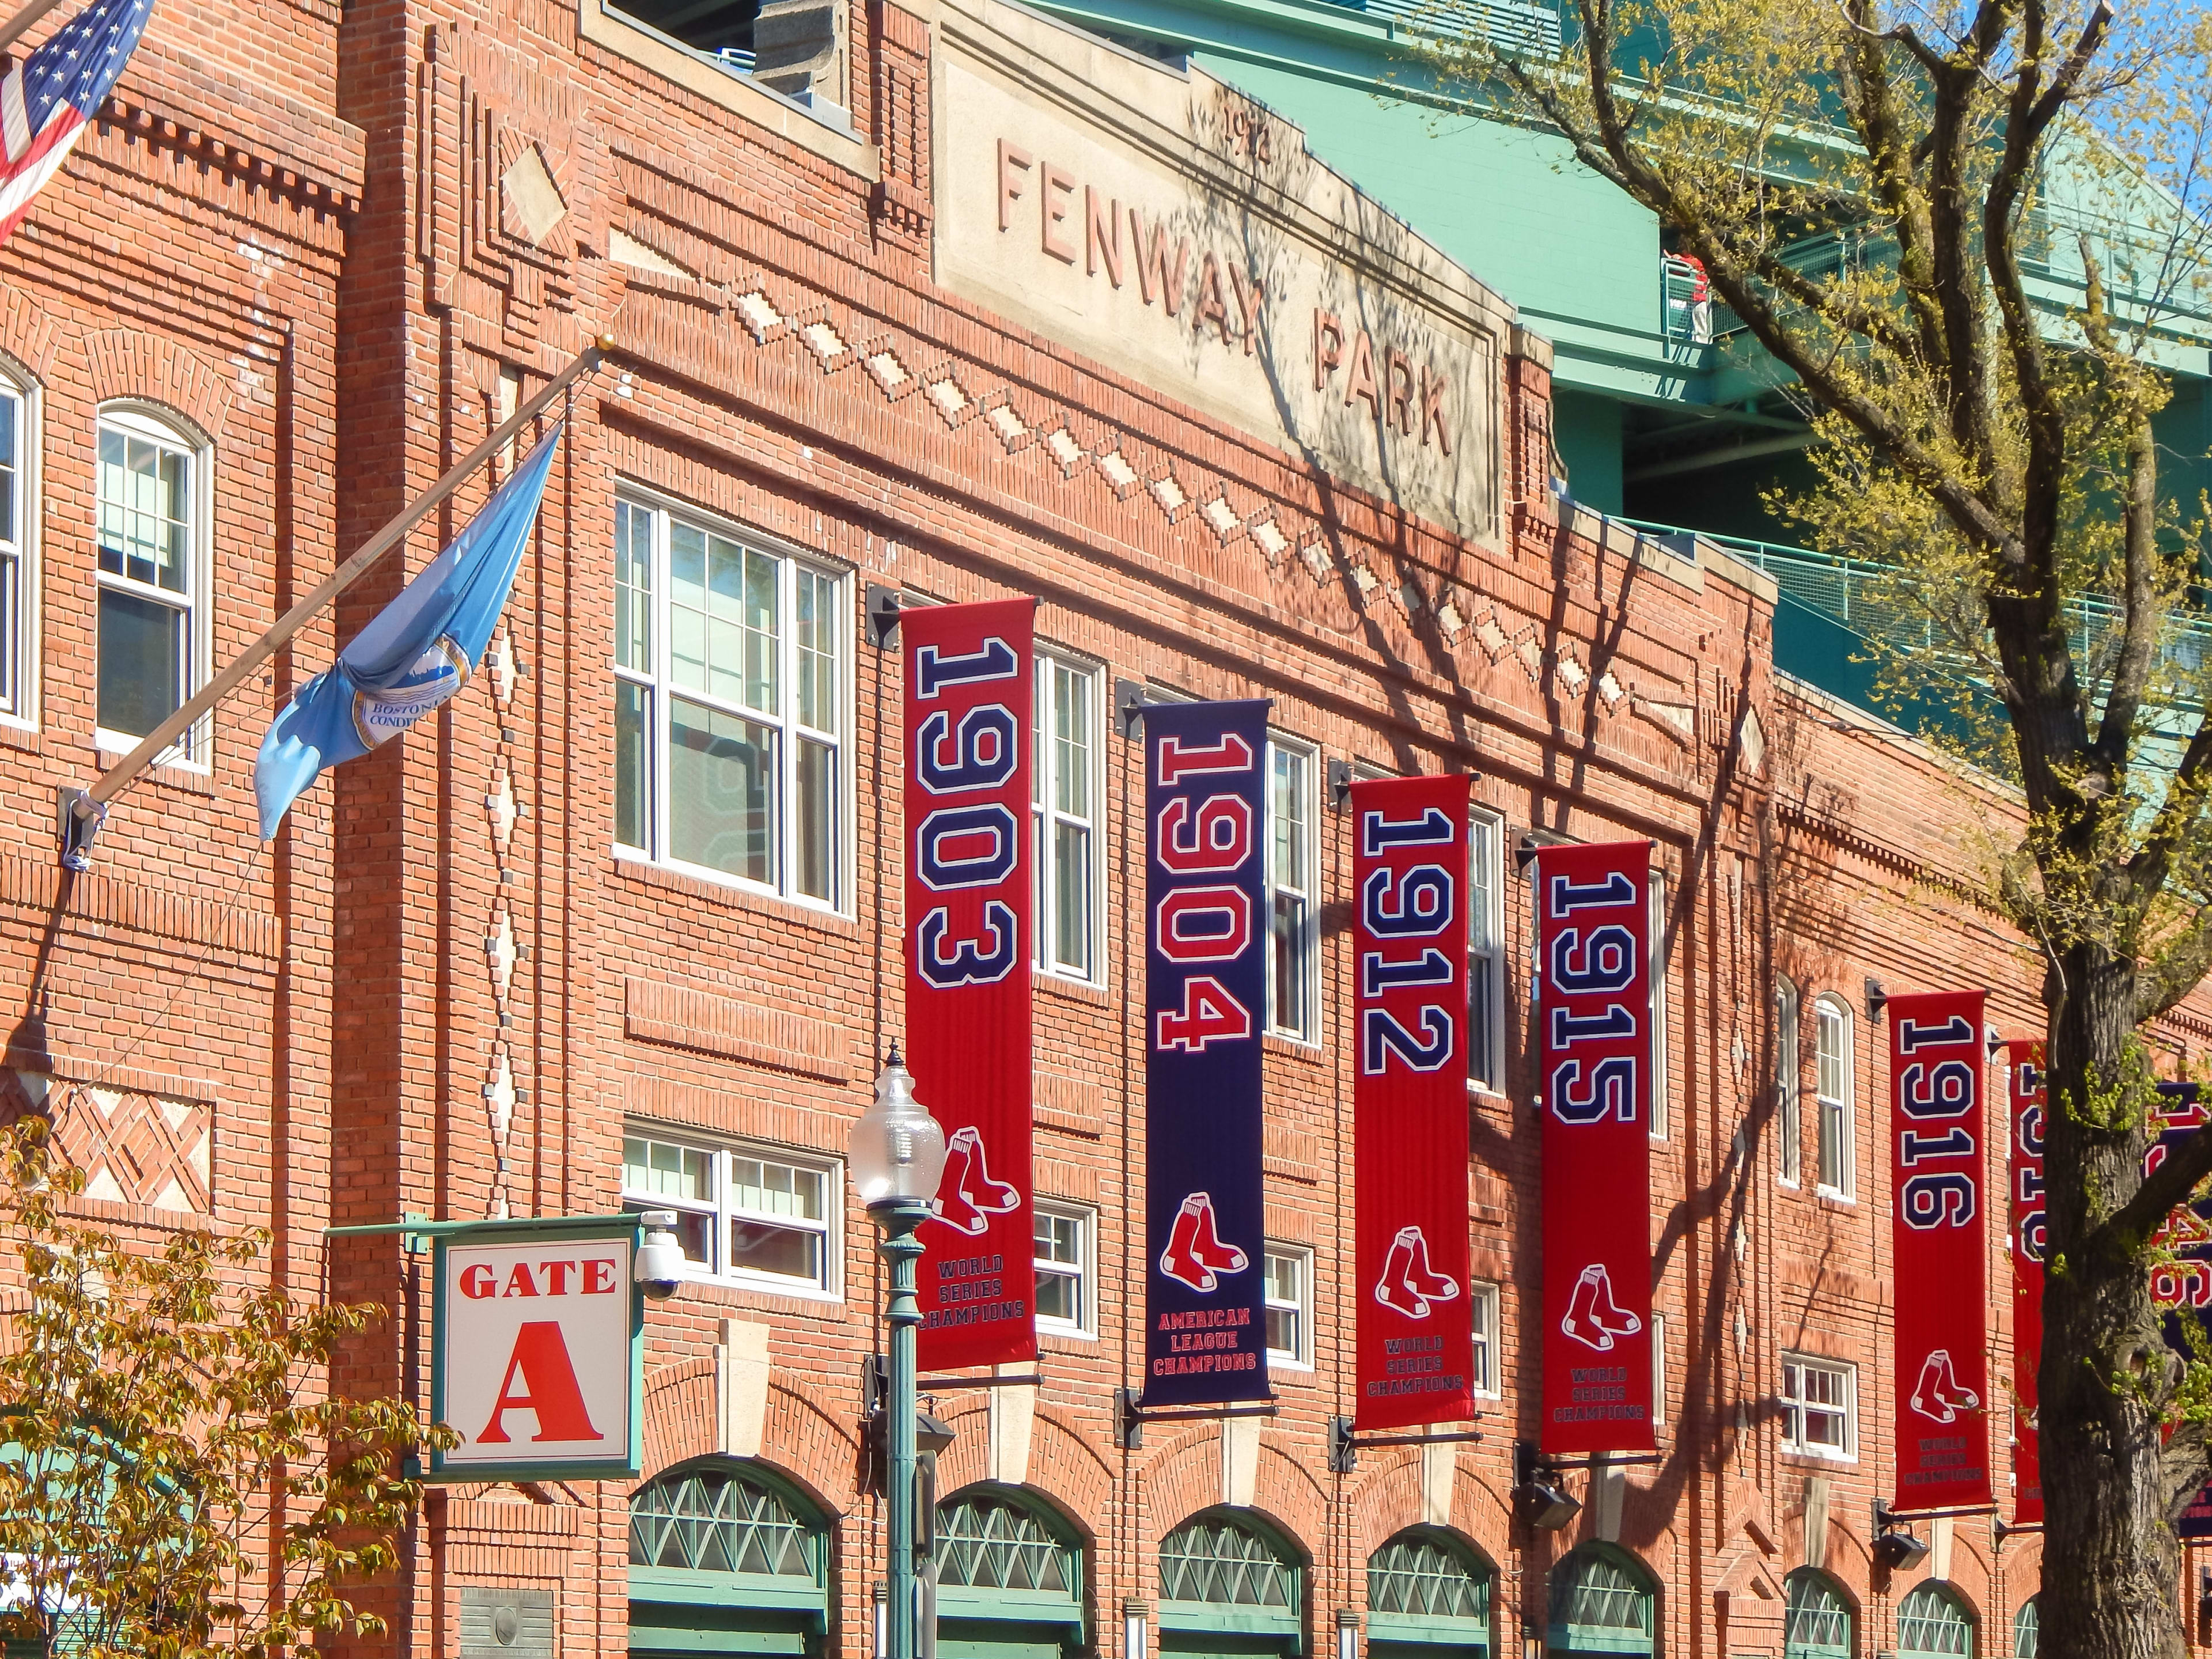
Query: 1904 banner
[[1592, 940], [1415, 1340], [2023, 1072], [1206, 986], [1937, 1173], [968, 909]]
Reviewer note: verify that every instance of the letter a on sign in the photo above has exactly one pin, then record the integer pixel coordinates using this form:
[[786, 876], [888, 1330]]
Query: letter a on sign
[[536, 1349]]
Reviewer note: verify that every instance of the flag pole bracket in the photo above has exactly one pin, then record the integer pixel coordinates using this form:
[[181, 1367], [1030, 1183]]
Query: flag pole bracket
[[1131, 1414], [947, 1384], [79, 818], [1345, 1443]]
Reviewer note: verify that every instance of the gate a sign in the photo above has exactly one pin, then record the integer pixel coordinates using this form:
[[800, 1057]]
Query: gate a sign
[[537, 1337]]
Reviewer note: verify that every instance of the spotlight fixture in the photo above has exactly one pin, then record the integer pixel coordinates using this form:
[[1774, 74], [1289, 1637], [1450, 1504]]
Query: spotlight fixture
[[1895, 1545], [1538, 1497]]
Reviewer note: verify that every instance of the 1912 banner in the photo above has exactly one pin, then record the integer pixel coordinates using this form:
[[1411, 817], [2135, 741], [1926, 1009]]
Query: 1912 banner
[[1592, 940], [968, 909], [1206, 986], [1937, 1172], [2024, 1071], [1416, 1343]]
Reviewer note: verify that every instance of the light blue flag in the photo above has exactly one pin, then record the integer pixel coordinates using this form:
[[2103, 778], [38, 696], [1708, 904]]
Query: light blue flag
[[415, 653]]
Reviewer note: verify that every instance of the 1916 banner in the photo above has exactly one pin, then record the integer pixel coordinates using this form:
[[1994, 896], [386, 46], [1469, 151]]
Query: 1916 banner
[[1937, 1172], [2024, 1070], [1206, 986], [1409, 1101], [1592, 940], [2181, 1282], [968, 907]]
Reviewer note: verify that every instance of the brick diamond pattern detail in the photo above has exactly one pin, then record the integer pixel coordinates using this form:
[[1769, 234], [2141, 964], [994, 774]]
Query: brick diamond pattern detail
[[1118, 471], [134, 1148], [500, 808], [1269, 535], [758, 315], [951, 400], [500, 1095], [1168, 494], [1611, 689], [1314, 556], [1570, 672], [1222, 516], [1491, 637], [499, 952], [1010, 426], [501, 662], [889, 372], [827, 345], [1532, 659]]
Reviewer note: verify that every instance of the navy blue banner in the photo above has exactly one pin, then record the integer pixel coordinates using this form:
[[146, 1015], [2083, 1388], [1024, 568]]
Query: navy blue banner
[[2181, 1282], [1206, 1008]]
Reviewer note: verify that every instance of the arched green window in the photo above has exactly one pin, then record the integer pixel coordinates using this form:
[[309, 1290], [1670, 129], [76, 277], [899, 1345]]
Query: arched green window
[[1009, 1577], [1933, 1623], [1603, 1600], [2023, 1631], [1816, 1622], [725, 1557], [1230, 1585], [1428, 1597]]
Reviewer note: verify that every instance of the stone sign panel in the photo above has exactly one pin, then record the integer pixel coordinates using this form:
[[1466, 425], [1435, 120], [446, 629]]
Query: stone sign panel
[[1175, 231]]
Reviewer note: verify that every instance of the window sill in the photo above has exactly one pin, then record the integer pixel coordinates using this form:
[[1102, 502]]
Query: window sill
[[727, 894], [1835, 1202], [22, 735], [1066, 1339], [1818, 1460], [1300, 1370], [727, 1292], [1090, 993], [193, 777], [1305, 1049]]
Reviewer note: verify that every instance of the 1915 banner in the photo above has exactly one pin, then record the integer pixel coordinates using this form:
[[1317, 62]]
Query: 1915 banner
[[1206, 986], [1409, 1101], [2181, 1283], [1937, 1171], [968, 907], [1592, 940], [2024, 1071]]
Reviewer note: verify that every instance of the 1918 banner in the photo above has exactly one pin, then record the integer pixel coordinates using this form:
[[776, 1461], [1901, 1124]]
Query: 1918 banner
[[2024, 1071], [1937, 1172], [1206, 986], [1409, 1101], [1592, 940], [968, 909]]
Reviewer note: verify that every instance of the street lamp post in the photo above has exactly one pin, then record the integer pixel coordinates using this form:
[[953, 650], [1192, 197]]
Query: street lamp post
[[898, 1157]]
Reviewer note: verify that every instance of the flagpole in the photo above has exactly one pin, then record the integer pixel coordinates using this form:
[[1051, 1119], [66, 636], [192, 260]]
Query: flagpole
[[12, 30], [83, 810]]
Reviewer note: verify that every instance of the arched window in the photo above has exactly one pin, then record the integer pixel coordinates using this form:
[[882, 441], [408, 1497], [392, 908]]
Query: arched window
[[152, 492], [1603, 1600], [725, 1557], [1224, 1573], [1789, 1131], [1428, 1593], [1817, 1622], [1933, 1623], [1831, 1047], [2023, 1631], [1009, 1576], [19, 536]]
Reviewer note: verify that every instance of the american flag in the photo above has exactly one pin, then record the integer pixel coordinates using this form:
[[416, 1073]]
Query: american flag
[[48, 98]]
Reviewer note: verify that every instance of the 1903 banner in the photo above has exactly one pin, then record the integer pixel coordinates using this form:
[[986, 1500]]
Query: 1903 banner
[[968, 907], [1592, 940], [1937, 1173], [2023, 1072], [1206, 985], [1415, 1338]]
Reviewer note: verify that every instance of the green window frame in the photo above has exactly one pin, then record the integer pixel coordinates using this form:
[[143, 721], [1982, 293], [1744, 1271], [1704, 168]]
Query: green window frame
[[1934, 1623], [1429, 1586], [1816, 1620], [725, 1557], [1223, 1573], [1009, 1576], [2023, 1630], [1603, 1599]]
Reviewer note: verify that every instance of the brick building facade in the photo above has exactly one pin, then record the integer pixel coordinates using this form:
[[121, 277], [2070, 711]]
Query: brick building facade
[[530, 961]]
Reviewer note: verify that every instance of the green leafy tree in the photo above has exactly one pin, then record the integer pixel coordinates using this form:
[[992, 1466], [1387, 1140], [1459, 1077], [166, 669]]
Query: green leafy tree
[[1970, 233], [173, 1483]]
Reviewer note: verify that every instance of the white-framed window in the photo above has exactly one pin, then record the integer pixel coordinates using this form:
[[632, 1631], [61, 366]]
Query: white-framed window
[[1066, 1277], [1289, 1298], [152, 528], [1293, 891], [18, 532], [1658, 1370], [731, 685], [1832, 1093], [1789, 1130], [1659, 1005], [1065, 788], [1482, 1304], [1486, 950], [1819, 1408], [761, 1217]]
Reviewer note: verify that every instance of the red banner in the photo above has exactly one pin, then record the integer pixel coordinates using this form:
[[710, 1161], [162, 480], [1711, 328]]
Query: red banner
[[2024, 1070], [1940, 1251], [1593, 941], [968, 917], [1415, 1335]]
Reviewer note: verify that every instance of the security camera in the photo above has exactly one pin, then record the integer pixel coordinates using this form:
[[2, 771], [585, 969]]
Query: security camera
[[659, 1265]]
